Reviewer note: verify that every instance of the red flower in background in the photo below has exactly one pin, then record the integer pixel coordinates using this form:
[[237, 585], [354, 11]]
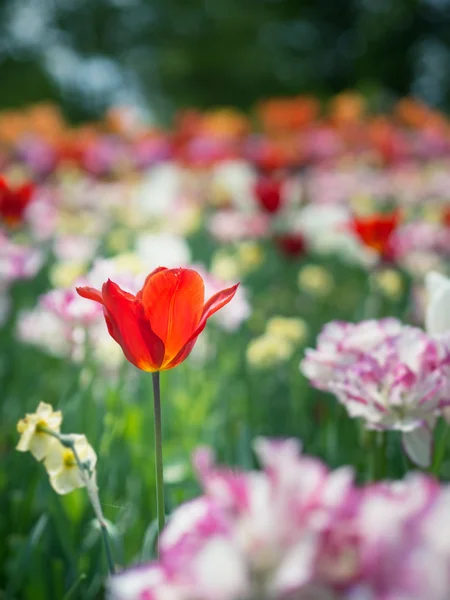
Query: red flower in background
[[270, 155], [447, 217], [376, 230], [291, 244], [14, 201], [268, 193], [158, 327]]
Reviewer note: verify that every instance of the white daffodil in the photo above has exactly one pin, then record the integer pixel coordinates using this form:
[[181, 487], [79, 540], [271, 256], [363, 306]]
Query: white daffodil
[[437, 317], [61, 464], [32, 437]]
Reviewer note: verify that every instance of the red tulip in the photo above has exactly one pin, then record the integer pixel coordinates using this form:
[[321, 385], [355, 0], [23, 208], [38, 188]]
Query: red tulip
[[13, 202], [268, 193], [291, 244], [375, 231], [447, 217], [158, 327]]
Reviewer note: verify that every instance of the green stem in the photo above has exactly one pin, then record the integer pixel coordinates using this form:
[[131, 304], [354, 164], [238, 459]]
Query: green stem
[[375, 444], [382, 450], [440, 452], [108, 550], [75, 588], [158, 453], [372, 302], [92, 490]]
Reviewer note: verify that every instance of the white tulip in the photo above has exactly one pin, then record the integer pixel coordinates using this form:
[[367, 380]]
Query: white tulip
[[437, 318]]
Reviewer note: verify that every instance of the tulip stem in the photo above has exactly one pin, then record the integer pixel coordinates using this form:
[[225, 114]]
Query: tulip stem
[[158, 453], [372, 302]]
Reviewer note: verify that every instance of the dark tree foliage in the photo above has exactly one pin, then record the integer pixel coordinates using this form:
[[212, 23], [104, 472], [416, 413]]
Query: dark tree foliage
[[205, 53]]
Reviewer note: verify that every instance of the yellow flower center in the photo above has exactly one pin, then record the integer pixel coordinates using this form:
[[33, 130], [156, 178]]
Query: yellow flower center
[[69, 458], [40, 425]]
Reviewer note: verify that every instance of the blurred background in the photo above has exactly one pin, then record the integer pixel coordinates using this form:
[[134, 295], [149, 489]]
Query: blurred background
[[164, 54], [322, 209]]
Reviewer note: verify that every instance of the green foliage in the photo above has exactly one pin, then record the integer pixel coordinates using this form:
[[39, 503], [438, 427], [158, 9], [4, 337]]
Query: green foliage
[[170, 53]]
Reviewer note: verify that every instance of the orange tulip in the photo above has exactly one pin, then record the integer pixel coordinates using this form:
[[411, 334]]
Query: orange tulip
[[412, 112], [347, 108], [280, 115], [224, 123], [158, 327]]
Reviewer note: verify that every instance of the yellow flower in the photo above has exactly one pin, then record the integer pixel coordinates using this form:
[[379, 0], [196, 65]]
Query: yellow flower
[[268, 350], [129, 262], [363, 204], [390, 283], [34, 440], [118, 240], [219, 195], [185, 221], [315, 280], [62, 467], [250, 256], [189, 221], [432, 214], [64, 274], [81, 221], [291, 329], [225, 267]]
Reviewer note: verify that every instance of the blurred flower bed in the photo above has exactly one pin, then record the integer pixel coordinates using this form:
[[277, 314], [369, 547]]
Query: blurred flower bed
[[332, 218]]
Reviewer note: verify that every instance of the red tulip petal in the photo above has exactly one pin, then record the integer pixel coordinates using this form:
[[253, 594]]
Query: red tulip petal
[[183, 353], [90, 293], [214, 304], [218, 301], [157, 270], [129, 326], [173, 301]]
